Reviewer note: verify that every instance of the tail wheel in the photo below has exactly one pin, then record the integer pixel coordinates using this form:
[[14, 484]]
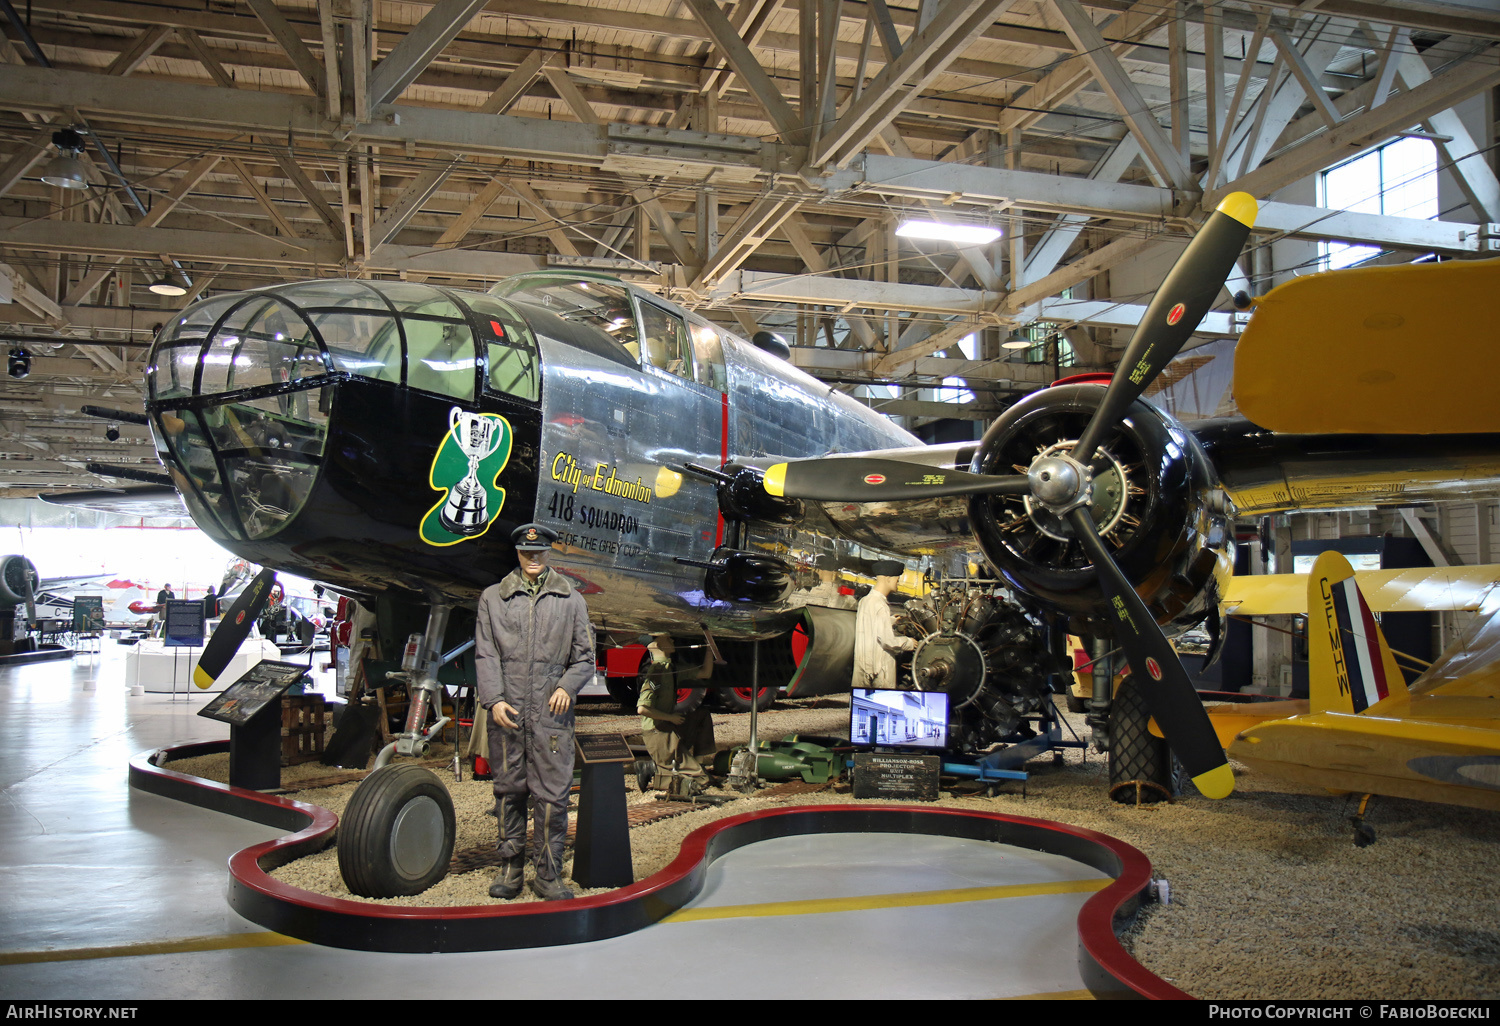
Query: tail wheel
[[1141, 770], [738, 699], [626, 691], [689, 699], [396, 835]]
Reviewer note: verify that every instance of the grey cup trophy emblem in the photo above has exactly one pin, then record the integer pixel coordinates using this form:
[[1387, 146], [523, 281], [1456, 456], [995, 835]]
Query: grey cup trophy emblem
[[467, 510]]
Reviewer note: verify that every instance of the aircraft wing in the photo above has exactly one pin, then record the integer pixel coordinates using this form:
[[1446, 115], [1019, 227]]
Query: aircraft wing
[[1354, 339], [58, 583], [1414, 590], [1366, 731], [147, 500], [1343, 752]]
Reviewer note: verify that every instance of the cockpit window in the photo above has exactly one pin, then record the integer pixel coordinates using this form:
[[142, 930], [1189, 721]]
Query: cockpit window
[[666, 341], [596, 303], [708, 357], [440, 350], [511, 352], [262, 342]]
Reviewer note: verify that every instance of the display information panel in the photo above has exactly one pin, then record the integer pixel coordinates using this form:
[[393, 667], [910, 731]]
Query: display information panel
[[891, 775], [88, 614], [182, 623], [597, 748], [262, 684]]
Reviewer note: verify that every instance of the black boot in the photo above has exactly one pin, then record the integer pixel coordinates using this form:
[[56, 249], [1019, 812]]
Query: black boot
[[508, 883], [548, 889]]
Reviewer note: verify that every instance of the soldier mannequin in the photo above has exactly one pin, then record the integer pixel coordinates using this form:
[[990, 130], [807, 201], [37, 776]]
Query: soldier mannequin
[[675, 740], [875, 639], [534, 650]]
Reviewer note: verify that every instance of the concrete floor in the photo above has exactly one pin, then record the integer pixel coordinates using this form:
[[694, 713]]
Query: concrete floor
[[109, 893]]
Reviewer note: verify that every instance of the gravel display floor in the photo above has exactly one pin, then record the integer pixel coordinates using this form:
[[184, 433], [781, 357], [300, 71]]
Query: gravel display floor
[[1269, 895]]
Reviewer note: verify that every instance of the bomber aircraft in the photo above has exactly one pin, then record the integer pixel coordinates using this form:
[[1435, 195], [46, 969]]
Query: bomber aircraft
[[385, 437]]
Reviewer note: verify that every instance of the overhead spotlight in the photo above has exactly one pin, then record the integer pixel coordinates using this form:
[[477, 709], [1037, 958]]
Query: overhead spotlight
[[65, 170], [1017, 342], [963, 234], [165, 286], [20, 363], [112, 433]]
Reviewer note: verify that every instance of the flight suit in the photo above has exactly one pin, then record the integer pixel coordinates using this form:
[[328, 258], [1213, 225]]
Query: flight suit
[[527, 644]]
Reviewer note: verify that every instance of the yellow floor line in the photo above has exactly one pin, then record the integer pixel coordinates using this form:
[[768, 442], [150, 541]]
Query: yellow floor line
[[819, 906], [165, 947], [1061, 995]]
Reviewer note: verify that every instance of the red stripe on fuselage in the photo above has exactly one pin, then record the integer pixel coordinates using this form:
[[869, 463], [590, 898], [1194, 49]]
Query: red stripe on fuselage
[[723, 458]]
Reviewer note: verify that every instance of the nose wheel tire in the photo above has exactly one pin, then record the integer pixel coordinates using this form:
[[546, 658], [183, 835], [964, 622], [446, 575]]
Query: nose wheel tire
[[396, 835], [1140, 763]]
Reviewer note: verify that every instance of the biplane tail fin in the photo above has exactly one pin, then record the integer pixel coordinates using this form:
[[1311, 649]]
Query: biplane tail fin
[[1350, 666]]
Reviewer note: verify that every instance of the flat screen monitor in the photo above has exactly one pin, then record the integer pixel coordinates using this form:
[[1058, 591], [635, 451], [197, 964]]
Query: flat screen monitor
[[892, 718]]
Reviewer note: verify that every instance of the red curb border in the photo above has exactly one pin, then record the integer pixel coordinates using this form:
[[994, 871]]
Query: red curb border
[[1107, 969]]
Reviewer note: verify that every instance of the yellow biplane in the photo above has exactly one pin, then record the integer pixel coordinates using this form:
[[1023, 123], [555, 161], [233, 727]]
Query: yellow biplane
[[1364, 730]]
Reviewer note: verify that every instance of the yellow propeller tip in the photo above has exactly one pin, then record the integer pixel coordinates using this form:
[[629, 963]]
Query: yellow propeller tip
[[201, 679], [1241, 206], [776, 479], [1217, 782]]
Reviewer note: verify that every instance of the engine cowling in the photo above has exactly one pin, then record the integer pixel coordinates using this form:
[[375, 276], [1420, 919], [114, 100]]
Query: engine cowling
[[1156, 499]]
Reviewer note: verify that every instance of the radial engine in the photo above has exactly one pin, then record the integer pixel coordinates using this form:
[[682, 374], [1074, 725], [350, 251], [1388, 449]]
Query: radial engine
[[986, 653]]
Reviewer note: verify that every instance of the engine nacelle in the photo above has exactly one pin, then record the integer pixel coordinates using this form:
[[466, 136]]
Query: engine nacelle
[[1157, 502]]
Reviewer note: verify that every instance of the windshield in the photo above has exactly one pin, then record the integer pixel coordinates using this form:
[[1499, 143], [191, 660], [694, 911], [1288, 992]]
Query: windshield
[[600, 304]]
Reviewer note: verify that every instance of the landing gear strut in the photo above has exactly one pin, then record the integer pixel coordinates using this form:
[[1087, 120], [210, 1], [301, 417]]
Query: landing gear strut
[[397, 834]]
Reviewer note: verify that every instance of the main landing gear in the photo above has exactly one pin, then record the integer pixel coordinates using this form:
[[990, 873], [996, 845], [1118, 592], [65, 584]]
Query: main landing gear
[[396, 835]]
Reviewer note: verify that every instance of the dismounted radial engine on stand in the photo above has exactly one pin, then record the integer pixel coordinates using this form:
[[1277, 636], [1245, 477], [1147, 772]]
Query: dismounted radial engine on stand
[[988, 655]]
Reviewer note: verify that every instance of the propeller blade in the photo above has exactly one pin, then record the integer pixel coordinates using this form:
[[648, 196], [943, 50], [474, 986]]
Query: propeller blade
[[30, 595], [233, 629], [1174, 314], [1173, 701], [852, 479]]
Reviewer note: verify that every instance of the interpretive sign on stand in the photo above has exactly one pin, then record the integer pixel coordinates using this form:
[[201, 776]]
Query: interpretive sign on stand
[[601, 846], [182, 623], [596, 748], [890, 775], [252, 708], [88, 614]]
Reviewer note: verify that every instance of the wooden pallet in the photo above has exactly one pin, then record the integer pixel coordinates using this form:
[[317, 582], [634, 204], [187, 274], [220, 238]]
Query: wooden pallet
[[304, 724]]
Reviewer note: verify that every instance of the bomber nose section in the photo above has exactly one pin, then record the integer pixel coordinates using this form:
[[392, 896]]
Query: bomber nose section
[[239, 390]]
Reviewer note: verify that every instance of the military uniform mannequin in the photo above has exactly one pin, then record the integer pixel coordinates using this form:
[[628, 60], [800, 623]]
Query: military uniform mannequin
[[534, 650], [673, 739], [875, 639]]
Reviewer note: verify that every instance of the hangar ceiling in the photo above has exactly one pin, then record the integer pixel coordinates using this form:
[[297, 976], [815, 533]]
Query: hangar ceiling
[[750, 160]]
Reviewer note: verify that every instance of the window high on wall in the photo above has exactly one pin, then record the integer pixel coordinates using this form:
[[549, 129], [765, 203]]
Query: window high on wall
[[1399, 179]]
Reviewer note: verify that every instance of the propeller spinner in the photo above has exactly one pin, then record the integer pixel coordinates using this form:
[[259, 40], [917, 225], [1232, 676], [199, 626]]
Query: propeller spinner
[[1061, 481]]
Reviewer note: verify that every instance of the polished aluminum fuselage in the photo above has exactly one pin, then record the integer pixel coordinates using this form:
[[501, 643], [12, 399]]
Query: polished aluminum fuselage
[[613, 441]]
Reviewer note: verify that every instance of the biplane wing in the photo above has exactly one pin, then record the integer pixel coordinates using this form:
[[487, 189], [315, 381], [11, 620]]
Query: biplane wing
[[1374, 319], [1365, 731], [1409, 590]]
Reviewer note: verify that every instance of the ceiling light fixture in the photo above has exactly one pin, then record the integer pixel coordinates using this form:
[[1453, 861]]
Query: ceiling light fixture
[[165, 286], [1020, 342], [65, 170], [19, 364], [963, 234]]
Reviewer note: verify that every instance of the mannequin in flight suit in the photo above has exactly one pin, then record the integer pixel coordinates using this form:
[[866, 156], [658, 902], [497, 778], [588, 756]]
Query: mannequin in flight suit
[[534, 650]]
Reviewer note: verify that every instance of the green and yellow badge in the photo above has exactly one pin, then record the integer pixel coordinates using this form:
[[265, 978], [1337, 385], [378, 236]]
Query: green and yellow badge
[[466, 468]]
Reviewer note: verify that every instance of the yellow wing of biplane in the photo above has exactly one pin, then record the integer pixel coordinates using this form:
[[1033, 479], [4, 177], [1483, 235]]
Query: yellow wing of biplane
[[1374, 349], [1366, 732], [1415, 590]]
